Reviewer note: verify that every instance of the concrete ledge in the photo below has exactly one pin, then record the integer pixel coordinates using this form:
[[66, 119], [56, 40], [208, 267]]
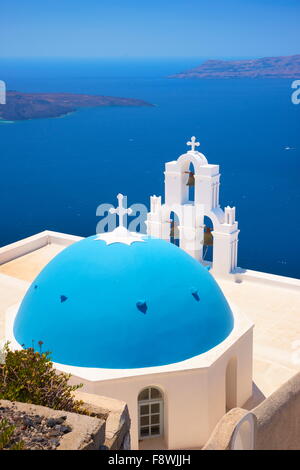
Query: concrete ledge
[[88, 433], [265, 278], [22, 247], [62, 238], [30, 244]]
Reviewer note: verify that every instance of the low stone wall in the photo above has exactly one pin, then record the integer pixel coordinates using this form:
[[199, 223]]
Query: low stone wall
[[278, 418], [222, 434], [117, 432], [87, 433], [272, 425], [107, 427]]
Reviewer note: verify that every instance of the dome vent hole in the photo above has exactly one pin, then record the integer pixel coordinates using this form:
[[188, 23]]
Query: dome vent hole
[[142, 306], [195, 294]]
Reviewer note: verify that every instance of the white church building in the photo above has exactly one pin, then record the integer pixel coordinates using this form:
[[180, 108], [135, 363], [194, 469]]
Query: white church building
[[137, 318]]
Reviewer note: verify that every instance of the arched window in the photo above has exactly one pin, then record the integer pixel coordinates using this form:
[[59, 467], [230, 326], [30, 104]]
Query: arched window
[[150, 403]]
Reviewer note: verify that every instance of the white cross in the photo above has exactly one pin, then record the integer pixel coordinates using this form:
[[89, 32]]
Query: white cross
[[193, 144], [121, 211]]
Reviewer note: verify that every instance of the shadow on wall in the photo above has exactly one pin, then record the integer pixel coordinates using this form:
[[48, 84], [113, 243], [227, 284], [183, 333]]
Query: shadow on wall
[[272, 425]]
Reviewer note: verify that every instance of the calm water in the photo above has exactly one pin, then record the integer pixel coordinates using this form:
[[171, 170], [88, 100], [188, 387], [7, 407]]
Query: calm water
[[55, 172]]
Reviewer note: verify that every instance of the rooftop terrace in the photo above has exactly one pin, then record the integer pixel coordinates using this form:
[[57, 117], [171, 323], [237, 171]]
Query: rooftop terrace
[[271, 302]]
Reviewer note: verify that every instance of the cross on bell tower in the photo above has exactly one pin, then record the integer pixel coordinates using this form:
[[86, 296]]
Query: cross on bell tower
[[121, 210], [193, 143]]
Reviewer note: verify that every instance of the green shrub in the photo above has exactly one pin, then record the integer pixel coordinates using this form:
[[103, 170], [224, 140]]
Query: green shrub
[[28, 376], [6, 434]]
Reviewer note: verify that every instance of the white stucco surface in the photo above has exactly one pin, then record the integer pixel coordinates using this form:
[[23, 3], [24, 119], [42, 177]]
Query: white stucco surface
[[271, 302], [275, 311]]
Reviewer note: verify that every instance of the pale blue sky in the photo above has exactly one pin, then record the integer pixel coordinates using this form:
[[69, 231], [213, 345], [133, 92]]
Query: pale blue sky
[[149, 28]]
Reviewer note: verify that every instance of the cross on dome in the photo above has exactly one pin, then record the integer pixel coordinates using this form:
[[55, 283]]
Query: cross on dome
[[193, 143], [121, 211], [120, 234]]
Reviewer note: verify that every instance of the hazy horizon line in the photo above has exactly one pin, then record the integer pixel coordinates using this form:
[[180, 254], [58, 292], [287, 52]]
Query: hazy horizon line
[[213, 57]]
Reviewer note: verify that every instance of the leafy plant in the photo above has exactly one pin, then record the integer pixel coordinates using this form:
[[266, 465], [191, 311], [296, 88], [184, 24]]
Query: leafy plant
[[6, 435], [28, 376]]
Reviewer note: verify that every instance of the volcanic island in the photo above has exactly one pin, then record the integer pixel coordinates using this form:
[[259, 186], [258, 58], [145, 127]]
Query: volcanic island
[[267, 67], [22, 106]]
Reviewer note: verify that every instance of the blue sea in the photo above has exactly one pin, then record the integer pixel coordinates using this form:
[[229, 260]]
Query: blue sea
[[55, 172]]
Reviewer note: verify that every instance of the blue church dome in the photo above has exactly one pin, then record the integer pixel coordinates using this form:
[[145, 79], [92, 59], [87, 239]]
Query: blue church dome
[[122, 306]]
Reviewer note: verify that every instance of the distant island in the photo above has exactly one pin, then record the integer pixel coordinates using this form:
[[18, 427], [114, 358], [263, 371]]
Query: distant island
[[21, 106], [267, 67]]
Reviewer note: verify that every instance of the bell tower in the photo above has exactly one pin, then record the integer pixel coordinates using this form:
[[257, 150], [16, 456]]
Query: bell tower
[[190, 214]]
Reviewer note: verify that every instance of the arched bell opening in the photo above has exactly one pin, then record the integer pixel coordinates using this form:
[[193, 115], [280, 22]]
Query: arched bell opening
[[190, 182], [208, 240], [174, 231]]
